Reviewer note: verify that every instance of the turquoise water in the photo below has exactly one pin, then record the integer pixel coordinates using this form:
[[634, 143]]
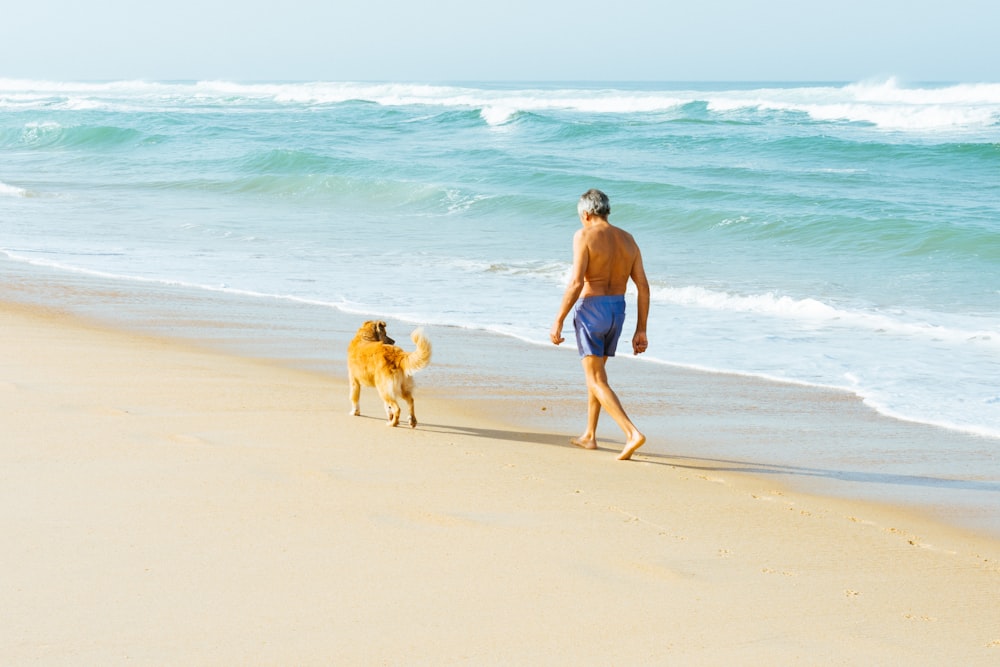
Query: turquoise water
[[845, 236], [837, 235]]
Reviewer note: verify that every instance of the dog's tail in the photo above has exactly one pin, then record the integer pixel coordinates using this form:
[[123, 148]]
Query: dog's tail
[[421, 356]]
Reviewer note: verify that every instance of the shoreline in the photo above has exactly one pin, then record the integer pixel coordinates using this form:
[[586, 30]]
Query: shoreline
[[173, 503], [814, 439]]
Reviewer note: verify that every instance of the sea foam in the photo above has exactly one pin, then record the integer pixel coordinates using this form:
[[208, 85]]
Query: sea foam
[[887, 104], [12, 191]]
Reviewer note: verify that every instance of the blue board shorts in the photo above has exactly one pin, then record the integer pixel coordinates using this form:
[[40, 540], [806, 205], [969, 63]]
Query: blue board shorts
[[598, 322]]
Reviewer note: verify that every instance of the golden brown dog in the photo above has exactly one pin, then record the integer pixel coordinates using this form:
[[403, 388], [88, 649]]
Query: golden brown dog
[[373, 360]]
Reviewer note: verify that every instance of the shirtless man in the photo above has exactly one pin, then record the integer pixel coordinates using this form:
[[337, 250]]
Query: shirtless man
[[604, 258]]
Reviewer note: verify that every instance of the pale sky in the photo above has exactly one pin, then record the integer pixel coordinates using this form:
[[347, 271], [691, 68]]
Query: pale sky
[[502, 40]]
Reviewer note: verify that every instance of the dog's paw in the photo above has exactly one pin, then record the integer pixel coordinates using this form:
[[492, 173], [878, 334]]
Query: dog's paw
[[413, 421], [356, 412]]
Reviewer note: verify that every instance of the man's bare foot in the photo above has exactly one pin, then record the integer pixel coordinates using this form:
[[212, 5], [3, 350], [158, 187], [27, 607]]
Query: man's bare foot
[[586, 443], [637, 441]]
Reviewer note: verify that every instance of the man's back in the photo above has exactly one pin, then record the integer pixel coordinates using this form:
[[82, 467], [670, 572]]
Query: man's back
[[611, 256]]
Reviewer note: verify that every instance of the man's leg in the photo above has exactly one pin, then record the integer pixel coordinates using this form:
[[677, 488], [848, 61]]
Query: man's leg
[[589, 438], [598, 387]]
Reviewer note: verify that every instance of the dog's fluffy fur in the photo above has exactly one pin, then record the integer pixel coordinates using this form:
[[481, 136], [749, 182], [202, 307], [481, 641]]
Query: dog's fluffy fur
[[374, 360]]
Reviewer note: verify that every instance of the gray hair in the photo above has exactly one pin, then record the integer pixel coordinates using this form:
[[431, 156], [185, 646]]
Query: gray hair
[[595, 202]]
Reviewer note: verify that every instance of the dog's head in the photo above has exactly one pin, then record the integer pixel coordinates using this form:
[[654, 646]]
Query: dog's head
[[374, 331]]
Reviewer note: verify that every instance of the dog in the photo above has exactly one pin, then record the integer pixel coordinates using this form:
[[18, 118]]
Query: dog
[[374, 360]]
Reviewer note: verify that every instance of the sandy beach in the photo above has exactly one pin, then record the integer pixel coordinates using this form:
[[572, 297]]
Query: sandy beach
[[165, 503]]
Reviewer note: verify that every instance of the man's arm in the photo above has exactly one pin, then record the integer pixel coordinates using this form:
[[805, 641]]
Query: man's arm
[[576, 282], [638, 275]]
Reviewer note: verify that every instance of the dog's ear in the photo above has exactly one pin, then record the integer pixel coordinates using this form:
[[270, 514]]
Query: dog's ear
[[382, 335], [372, 332]]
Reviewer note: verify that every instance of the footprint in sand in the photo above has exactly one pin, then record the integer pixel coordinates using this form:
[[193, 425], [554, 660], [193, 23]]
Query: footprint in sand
[[717, 480], [914, 617]]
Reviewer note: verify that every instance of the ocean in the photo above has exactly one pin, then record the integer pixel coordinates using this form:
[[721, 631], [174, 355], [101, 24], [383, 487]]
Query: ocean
[[844, 236]]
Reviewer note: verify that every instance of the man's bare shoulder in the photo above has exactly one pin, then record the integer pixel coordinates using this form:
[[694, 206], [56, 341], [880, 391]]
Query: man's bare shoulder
[[621, 240], [625, 235]]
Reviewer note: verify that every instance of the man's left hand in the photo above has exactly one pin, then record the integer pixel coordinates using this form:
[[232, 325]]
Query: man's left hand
[[556, 334]]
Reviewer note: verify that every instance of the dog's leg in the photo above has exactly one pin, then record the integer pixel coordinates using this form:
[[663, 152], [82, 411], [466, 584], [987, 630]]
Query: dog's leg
[[391, 406], [392, 411], [355, 395], [407, 391]]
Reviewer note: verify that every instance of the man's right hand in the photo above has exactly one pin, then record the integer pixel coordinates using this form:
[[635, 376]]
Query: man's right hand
[[639, 342]]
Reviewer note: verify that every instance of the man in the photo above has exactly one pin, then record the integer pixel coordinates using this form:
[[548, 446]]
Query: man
[[604, 259]]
